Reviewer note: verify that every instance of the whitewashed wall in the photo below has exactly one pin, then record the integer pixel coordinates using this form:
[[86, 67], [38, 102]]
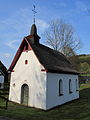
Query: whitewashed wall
[[43, 87], [53, 98], [31, 75]]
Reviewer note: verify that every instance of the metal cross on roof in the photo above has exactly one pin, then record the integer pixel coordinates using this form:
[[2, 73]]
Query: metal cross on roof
[[34, 12]]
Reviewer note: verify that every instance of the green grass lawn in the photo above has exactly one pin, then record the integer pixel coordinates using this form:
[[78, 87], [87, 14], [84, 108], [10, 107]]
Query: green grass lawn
[[76, 110]]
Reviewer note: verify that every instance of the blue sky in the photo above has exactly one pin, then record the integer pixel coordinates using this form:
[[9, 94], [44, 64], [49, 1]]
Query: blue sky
[[16, 18]]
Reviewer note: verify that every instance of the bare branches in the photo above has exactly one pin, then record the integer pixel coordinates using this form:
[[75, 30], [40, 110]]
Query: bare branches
[[62, 38]]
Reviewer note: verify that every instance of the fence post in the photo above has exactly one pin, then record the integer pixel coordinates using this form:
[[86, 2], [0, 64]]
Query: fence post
[[6, 104]]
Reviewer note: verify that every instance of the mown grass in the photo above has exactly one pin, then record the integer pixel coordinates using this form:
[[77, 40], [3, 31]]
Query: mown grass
[[76, 110], [84, 86], [84, 74], [2, 102]]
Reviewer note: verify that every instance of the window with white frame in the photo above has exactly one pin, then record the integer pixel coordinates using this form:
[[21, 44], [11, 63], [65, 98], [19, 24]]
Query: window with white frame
[[60, 87], [70, 86]]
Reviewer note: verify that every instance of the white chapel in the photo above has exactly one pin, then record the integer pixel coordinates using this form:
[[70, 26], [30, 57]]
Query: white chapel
[[40, 76]]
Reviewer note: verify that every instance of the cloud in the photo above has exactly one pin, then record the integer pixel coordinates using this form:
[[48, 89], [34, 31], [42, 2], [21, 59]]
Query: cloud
[[42, 25], [7, 55], [18, 25], [22, 20], [11, 44]]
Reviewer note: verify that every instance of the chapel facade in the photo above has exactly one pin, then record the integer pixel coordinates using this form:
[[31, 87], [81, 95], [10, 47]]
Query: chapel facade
[[40, 76]]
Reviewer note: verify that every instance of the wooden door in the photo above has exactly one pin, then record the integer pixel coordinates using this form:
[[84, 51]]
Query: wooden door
[[24, 94]]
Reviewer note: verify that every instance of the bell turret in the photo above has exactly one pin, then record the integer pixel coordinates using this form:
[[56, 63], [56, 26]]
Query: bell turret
[[35, 38]]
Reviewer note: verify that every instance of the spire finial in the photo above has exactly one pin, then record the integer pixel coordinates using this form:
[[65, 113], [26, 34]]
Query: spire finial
[[34, 12]]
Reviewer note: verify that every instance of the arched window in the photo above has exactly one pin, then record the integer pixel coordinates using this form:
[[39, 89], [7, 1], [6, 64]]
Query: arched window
[[60, 87], [70, 86], [76, 85], [26, 61]]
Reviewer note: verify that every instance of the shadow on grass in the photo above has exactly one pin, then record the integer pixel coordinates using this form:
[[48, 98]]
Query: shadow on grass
[[76, 110]]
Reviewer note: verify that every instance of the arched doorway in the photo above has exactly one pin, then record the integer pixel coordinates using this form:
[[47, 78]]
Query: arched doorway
[[24, 94]]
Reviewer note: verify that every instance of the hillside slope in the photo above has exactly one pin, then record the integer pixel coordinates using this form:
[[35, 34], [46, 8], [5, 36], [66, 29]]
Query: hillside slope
[[84, 63]]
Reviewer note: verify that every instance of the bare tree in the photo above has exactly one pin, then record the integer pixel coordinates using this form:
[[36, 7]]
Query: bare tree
[[61, 37]]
